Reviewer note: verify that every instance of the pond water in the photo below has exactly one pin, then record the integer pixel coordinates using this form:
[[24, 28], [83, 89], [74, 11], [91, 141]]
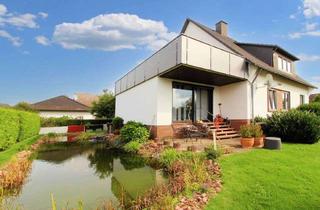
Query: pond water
[[91, 174]]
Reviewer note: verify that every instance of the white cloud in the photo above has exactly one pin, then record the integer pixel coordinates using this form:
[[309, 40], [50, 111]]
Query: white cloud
[[311, 26], [23, 21], [3, 9], [297, 35], [42, 40], [43, 15], [311, 58], [292, 16], [110, 32], [19, 21], [311, 8], [16, 41]]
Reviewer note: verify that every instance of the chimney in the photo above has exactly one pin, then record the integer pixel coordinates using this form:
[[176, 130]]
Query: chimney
[[222, 28]]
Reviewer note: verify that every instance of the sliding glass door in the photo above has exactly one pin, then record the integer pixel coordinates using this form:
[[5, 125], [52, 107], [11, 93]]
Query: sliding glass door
[[191, 103]]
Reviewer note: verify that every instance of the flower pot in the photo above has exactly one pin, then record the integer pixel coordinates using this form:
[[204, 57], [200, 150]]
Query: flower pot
[[258, 142], [247, 142]]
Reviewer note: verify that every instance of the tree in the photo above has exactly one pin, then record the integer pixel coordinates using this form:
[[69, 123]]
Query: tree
[[24, 106], [316, 99], [105, 106]]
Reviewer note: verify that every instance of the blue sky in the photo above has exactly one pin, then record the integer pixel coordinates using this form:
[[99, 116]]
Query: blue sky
[[50, 48]]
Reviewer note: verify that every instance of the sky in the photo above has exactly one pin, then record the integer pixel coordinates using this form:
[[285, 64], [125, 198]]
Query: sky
[[51, 48]]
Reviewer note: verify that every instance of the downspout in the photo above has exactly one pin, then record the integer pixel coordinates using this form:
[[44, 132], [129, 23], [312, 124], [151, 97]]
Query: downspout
[[252, 91]]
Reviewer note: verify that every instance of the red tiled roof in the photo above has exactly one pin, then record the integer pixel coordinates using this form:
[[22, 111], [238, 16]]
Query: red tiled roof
[[60, 103]]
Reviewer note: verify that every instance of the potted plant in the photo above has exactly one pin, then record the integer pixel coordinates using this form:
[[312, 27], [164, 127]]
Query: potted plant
[[258, 135], [247, 138]]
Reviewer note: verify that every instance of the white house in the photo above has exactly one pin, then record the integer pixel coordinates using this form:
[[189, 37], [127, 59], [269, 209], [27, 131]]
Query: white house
[[61, 106], [203, 72]]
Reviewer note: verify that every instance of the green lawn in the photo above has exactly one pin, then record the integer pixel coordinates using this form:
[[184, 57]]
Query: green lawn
[[266, 179], [6, 155]]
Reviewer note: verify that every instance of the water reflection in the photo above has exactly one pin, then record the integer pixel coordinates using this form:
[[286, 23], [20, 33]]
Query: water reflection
[[90, 173]]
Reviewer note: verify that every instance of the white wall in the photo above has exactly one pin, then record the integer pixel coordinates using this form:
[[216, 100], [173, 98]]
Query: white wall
[[74, 115], [234, 99], [139, 103], [261, 93], [194, 31]]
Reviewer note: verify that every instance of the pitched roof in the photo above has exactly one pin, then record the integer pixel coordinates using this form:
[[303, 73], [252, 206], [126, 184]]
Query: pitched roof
[[86, 98], [274, 47], [60, 103], [232, 44]]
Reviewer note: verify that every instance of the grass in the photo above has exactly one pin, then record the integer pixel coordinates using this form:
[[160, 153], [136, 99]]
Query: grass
[[266, 179], [8, 154]]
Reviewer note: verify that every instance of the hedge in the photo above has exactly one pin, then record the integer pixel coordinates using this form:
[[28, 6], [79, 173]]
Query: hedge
[[17, 125], [313, 107], [9, 127], [294, 126], [30, 125]]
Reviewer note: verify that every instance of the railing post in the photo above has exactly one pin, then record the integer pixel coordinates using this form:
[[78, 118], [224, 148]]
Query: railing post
[[214, 139]]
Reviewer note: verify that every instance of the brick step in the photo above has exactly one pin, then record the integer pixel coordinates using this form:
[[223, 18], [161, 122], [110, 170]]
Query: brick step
[[220, 126], [224, 129], [228, 136]]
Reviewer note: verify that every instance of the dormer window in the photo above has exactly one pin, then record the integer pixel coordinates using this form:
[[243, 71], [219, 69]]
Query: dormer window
[[284, 64]]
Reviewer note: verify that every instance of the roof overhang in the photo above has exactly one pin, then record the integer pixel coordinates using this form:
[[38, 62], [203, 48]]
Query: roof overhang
[[194, 74]]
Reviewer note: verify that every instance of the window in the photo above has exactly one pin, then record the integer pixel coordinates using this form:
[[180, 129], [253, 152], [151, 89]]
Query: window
[[302, 99], [278, 100], [272, 100], [284, 64], [285, 100]]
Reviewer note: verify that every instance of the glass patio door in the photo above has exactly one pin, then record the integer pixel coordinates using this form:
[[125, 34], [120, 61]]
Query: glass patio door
[[191, 103]]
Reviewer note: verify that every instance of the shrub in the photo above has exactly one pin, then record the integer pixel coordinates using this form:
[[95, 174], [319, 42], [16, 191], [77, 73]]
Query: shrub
[[312, 107], [9, 127], [259, 119], [134, 131], [257, 131], [30, 125], [246, 131], [132, 146], [294, 126], [213, 154], [54, 121], [169, 156], [117, 123]]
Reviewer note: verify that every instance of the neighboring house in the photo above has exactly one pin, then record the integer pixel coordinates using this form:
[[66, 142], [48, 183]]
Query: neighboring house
[[63, 106], [202, 73], [86, 98]]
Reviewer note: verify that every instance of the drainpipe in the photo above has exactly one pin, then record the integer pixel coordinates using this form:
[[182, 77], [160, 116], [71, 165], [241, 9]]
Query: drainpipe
[[252, 91]]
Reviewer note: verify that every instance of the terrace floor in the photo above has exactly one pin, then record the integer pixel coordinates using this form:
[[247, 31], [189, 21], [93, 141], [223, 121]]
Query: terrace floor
[[231, 145]]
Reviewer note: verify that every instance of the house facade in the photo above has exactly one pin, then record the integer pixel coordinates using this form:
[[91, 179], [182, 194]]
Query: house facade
[[203, 72], [62, 106]]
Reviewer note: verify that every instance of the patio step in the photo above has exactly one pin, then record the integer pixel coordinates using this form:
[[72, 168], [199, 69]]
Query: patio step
[[230, 136], [220, 133]]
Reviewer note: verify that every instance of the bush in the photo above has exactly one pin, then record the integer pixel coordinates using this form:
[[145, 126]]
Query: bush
[[134, 131], [54, 121], [259, 119], [16, 126], [312, 107], [257, 131], [30, 125], [117, 123], [132, 146], [9, 127], [246, 131], [169, 156], [294, 126], [213, 154]]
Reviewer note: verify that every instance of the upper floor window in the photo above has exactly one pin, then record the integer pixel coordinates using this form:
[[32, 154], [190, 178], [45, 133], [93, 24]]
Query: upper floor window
[[284, 65], [278, 100]]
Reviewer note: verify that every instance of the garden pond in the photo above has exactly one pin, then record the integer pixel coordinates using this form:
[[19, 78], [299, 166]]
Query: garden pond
[[89, 173]]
